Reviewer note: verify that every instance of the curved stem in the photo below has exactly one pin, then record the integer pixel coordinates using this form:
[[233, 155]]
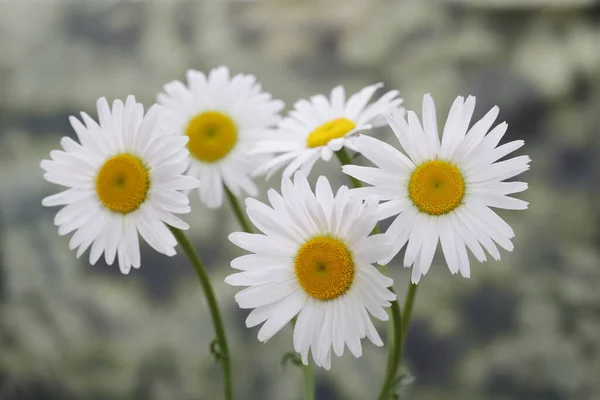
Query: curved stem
[[213, 307], [309, 384], [237, 210], [345, 159]]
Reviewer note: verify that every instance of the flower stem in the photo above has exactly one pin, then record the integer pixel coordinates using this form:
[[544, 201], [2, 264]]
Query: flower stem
[[345, 159], [394, 327], [408, 306], [237, 210], [223, 350], [309, 384], [394, 354], [401, 329]]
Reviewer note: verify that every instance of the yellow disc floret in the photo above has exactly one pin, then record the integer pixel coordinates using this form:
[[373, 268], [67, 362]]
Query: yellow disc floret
[[122, 183], [436, 187], [324, 267], [212, 134], [333, 129]]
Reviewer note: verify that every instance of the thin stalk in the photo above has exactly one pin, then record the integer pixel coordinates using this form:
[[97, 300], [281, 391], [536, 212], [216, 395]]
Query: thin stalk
[[408, 306], [237, 210], [215, 314], [394, 326], [309, 383], [345, 159], [389, 328], [394, 354], [401, 329]]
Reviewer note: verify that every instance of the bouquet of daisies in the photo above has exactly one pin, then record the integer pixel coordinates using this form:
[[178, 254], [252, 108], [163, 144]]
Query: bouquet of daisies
[[316, 257]]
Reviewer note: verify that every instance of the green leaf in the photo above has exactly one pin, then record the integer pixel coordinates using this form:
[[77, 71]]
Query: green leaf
[[292, 357]]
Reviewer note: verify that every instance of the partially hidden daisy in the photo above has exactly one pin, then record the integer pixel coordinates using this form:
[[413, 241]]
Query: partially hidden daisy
[[123, 178], [313, 260], [223, 117], [318, 127], [444, 191]]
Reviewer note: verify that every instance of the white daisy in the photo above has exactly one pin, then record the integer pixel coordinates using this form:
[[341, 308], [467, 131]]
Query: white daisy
[[444, 190], [319, 127], [314, 259], [123, 178], [223, 118]]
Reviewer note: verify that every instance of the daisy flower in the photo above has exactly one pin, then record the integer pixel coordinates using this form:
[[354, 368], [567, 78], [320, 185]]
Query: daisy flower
[[123, 177], [313, 260], [444, 190], [319, 127], [223, 119]]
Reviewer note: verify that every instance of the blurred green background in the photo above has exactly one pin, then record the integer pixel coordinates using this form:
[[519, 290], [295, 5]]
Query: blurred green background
[[524, 328]]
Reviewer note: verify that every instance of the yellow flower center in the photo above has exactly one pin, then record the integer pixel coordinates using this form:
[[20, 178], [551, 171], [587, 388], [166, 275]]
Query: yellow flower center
[[333, 129], [212, 136], [436, 187], [324, 268], [122, 183]]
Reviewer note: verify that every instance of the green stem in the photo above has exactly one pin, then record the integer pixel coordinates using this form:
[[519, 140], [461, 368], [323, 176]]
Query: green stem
[[309, 384], [401, 329], [213, 307], [394, 327], [394, 354], [345, 159], [408, 306], [237, 210]]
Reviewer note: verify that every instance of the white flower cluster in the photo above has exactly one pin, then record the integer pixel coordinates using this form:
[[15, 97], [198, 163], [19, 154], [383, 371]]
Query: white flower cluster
[[313, 260]]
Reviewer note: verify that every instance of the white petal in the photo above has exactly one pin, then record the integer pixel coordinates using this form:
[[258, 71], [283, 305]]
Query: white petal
[[373, 176], [303, 157], [358, 101], [256, 262], [419, 138], [384, 155], [466, 235], [269, 222], [211, 188], [303, 330], [402, 131], [338, 98], [261, 244], [285, 311], [393, 207], [475, 135], [260, 277], [374, 248], [400, 230], [452, 134], [429, 245], [430, 125], [258, 296], [324, 196], [415, 242]]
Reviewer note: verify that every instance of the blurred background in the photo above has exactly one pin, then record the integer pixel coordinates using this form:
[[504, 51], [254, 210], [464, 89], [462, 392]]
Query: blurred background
[[524, 328]]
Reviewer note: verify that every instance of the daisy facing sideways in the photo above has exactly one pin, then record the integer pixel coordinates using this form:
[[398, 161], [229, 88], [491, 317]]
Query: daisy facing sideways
[[318, 127], [313, 260], [123, 178], [444, 190], [223, 117]]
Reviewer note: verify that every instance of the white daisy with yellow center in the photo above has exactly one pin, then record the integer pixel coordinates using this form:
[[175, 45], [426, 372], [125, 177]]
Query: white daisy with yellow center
[[223, 119], [123, 177], [443, 191], [318, 127], [313, 260]]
